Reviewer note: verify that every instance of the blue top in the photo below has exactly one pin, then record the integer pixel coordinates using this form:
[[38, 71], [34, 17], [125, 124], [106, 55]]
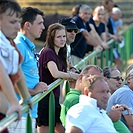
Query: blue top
[[29, 65], [123, 95], [79, 46], [111, 26]]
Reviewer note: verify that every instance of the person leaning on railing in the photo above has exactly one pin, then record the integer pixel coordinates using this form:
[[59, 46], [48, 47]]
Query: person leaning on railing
[[53, 65], [31, 28], [11, 76]]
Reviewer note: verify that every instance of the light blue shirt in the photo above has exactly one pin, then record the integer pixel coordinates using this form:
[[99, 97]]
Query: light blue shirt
[[29, 65], [114, 26], [123, 95]]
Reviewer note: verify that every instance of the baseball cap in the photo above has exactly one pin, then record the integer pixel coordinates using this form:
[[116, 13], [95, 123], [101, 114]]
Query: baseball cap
[[69, 23]]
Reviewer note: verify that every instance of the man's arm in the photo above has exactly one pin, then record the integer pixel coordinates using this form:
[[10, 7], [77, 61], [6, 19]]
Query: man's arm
[[89, 38], [74, 129], [129, 120], [8, 89], [97, 39]]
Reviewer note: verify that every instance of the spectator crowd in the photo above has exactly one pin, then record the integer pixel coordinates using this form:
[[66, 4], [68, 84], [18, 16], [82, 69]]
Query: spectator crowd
[[99, 100]]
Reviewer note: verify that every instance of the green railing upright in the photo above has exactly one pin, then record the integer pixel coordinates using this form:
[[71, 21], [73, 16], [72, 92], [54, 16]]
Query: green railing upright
[[125, 52]]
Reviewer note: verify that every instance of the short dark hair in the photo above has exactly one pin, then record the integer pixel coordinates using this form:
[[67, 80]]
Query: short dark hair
[[12, 5], [107, 71], [29, 14]]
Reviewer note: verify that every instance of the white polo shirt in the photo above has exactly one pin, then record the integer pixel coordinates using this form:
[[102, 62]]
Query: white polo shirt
[[8, 55], [88, 117]]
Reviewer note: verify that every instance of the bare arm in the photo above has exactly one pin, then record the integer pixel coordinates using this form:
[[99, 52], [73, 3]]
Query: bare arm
[[59, 74], [8, 89], [89, 38], [97, 39], [73, 129], [129, 120], [103, 37]]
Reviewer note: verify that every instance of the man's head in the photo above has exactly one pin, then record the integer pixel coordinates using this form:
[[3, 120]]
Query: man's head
[[129, 76], [116, 13], [108, 4], [85, 13], [32, 22], [10, 12], [96, 87], [71, 29], [86, 72], [113, 77]]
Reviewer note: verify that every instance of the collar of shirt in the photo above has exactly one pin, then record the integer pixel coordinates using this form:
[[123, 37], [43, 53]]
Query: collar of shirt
[[5, 40], [28, 42], [85, 100]]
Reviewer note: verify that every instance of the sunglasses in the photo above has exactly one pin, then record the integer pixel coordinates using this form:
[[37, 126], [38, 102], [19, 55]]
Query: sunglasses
[[71, 30], [117, 78]]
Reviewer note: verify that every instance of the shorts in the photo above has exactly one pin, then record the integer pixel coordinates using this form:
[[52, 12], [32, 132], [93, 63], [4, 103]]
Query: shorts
[[2, 116], [43, 112]]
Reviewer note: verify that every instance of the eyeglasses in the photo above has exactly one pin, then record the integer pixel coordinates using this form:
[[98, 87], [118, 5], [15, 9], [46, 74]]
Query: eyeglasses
[[71, 30], [117, 78]]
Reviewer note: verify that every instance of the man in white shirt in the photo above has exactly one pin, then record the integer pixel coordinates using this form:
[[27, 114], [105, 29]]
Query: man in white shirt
[[89, 115]]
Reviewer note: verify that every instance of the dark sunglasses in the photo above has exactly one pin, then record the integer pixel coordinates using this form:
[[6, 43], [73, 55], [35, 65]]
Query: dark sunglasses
[[71, 30], [117, 78]]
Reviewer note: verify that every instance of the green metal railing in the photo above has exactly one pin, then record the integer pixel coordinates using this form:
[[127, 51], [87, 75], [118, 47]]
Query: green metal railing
[[125, 52]]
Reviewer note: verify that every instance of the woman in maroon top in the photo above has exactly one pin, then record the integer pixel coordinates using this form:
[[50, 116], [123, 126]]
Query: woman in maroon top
[[53, 65]]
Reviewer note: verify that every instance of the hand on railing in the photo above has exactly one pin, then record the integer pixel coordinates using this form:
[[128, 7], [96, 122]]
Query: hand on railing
[[98, 48], [40, 87], [72, 69], [105, 45], [15, 108], [120, 38], [27, 101], [73, 76]]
